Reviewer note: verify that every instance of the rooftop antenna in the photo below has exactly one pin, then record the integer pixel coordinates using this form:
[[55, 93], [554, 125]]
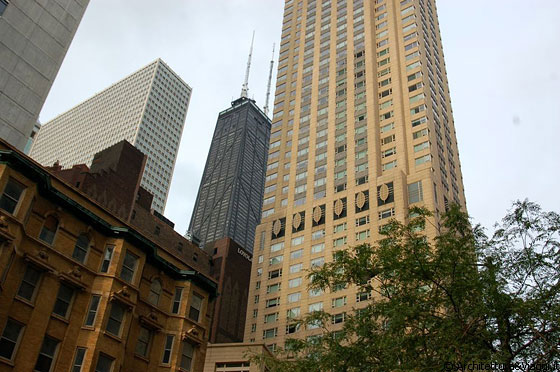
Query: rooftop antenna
[[269, 82], [245, 87]]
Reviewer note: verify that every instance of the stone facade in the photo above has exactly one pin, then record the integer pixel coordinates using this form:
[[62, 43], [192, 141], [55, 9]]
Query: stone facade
[[80, 287], [234, 357], [362, 130]]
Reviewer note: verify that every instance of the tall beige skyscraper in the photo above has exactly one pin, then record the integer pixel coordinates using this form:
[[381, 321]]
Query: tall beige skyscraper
[[147, 108], [362, 130]]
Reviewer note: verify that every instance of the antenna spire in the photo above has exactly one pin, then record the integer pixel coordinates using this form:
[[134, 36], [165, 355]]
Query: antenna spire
[[245, 87], [269, 82]]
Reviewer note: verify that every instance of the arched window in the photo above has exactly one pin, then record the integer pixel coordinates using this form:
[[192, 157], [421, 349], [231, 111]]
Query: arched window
[[81, 248], [49, 229], [155, 291]]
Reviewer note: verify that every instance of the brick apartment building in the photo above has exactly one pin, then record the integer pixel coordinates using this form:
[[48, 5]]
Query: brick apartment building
[[90, 277]]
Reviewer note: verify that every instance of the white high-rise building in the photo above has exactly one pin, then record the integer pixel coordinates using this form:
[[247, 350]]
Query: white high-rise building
[[147, 108]]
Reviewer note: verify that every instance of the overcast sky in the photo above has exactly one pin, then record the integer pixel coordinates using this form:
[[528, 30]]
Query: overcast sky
[[502, 59]]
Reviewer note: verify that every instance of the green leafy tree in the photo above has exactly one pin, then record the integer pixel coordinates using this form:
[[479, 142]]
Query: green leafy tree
[[437, 303]]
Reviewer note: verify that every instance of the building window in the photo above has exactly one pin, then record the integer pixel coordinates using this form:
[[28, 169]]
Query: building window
[[363, 296], [14, 189], [415, 193], [115, 321], [29, 283], [276, 260], [270, 318], [386, 213], [10, 339], [317, 262], [187, 356], [294, 283], [129, 267], [362, 221], [293, 313], [296, 268], [270, 333], [46, 355], [273, 302], [81, 248], [92, 311], [276, 247], [275, 274], [63, 300], [143, 342], [177, 300], [273, 288], [107, 258], [423, 159], [339, 301], [362, 235], [79, 359], [104, 363], [48, 230], [317, 306], [296, 254], [167, 349], [155, 291], [196, 307], [292, 328], [338, 318], [297, 241], [294, 297]]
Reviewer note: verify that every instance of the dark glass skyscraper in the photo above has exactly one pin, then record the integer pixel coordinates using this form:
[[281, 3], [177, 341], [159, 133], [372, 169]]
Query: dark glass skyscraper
[[230, 196]]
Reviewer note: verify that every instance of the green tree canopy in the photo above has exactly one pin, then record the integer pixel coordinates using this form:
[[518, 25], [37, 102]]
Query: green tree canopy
[[459, 298]]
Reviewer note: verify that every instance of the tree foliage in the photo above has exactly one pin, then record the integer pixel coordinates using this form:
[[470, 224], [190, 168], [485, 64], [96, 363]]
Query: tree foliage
[[459, 298]]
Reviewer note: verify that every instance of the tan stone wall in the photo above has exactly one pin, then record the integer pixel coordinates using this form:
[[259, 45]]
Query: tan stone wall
[[335, 57], [21, 248], [234, 353]]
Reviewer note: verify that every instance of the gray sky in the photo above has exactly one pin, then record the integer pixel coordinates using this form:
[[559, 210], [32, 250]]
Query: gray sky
[[501, 58]]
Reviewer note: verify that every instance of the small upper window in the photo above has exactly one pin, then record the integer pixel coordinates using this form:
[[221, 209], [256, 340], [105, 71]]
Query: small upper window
[[187, 356], [10, 339], [104, 363], [116, 318], [155, 291], [49, 229], [129, 267], [29, 283], [107, 258], [14, 189], [63, 300], [177, 300], [81, 248], [196, 307], [47, 355], [143, 342]]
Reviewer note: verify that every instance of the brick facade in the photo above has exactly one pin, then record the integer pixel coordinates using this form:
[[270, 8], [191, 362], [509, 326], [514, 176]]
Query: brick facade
[[144, 290]]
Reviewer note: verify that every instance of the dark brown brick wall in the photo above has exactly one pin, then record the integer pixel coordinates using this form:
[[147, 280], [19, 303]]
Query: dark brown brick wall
[[233, 273]]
